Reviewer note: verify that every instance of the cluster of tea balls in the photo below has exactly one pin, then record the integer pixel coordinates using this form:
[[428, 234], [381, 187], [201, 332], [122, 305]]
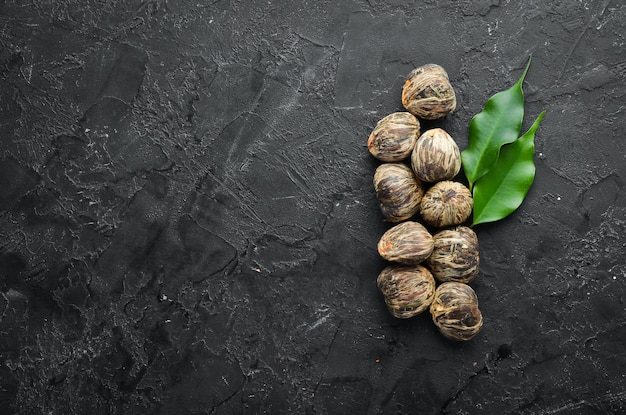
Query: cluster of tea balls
[[433, 256]]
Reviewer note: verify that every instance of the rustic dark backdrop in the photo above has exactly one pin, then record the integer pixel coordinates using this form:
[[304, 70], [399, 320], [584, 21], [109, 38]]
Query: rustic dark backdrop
[[188, 223]]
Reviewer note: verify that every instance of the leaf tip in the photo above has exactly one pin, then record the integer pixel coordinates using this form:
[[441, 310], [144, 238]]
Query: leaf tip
[[539, 119], [521, 79]]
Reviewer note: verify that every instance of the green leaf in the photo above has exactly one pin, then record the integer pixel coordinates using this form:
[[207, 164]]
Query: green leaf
[[499, 192], [497, 124]]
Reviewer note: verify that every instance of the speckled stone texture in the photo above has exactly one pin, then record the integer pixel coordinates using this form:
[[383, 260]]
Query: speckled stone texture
[[188, 223]]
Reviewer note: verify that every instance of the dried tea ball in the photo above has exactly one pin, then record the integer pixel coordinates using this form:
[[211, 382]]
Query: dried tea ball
[[455, 311], [394, 137], [408, 243], [398, 191], [455, 255], [446, 203], [427, 93], [408, 290], [436, 156]]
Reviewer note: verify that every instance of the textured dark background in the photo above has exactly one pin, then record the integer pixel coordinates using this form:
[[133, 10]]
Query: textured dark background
[[188, 223]]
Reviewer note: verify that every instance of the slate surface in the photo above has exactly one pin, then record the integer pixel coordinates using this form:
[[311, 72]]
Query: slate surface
[[188, 223]]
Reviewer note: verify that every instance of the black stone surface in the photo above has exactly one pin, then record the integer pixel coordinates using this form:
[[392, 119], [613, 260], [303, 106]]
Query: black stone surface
[[188, 223]]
